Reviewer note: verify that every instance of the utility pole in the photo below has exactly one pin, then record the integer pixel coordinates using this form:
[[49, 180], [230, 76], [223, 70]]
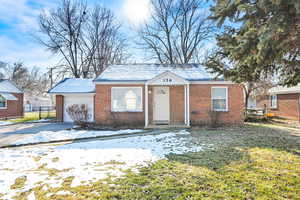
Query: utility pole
[[51, 77]]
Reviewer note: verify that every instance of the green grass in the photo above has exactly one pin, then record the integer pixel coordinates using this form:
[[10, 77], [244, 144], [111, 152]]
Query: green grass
[[31, 116], [251, 162], [19, 183]]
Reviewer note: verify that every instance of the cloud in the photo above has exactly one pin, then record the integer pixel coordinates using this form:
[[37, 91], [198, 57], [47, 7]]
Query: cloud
[[20, 18], [32, 54]]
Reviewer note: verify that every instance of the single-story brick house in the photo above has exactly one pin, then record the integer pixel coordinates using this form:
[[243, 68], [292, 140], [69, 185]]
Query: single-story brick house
[[152, 94], [11, 100], [282, 101]]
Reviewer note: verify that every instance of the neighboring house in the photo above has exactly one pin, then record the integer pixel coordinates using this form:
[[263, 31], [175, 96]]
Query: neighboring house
[[11, 100], [152, 94], [33, 103], [251, 103], [283, 102]]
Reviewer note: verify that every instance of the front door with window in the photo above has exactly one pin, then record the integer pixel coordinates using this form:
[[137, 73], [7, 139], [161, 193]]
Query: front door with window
[[161, 105]]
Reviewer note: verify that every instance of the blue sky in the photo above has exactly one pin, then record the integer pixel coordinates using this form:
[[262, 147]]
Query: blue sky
[[18, 21]]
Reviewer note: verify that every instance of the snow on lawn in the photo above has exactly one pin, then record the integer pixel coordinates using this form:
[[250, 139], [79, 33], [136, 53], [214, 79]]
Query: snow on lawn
[[46, 136], [87, 161], [4, 123]]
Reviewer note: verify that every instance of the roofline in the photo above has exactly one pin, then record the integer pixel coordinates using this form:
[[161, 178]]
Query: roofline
[[284, 92], [21, 91], [144, 82], [72, 92], [49, 91]]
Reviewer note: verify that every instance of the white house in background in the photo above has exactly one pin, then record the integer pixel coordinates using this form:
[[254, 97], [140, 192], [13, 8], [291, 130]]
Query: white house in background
[[33, 103]]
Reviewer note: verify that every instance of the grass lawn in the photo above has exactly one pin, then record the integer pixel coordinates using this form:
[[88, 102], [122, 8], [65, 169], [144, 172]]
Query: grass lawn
[[257, 161], [31, 116]]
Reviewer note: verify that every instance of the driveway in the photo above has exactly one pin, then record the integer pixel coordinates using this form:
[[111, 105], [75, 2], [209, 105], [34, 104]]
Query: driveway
[[11, 133]]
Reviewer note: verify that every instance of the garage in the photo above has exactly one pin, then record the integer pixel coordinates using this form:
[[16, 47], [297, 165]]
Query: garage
[[72, 91], [72, 99]]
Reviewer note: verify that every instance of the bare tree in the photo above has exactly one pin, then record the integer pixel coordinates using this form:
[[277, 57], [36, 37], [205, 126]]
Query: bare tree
[[32, 81], [103, 33], [62, 29], [86, 39], [176, 30]]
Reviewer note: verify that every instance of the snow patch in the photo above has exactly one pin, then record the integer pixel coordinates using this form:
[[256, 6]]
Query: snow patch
[[31, 196], [88, 161], [4, 123], [47, 136]]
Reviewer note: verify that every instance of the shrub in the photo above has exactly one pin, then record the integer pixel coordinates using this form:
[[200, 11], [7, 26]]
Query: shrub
[[79, 114], [214, 118]]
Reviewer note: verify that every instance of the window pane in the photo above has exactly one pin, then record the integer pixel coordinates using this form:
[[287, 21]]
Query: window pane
[[218, 93], [219, 104], [2, 98], [273, 101], [2, 104], [131, 98], [126, 99]]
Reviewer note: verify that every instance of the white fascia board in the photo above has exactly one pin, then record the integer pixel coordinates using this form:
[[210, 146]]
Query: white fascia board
[[144, 82], [176, 80], [285, 92], [120, 83], [75, 94], [213, 82]]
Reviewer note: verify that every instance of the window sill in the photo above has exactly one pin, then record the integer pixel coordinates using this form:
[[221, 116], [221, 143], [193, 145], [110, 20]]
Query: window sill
[[126, 111], [221, 110], [3, 108]]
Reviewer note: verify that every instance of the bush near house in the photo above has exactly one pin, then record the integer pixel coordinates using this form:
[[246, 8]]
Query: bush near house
[[79, 114]]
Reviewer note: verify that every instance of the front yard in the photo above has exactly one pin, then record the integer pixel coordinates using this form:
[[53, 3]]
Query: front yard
[[257, 161]]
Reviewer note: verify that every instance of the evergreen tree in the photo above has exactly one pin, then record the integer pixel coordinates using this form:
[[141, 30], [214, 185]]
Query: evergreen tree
[[263, 37]]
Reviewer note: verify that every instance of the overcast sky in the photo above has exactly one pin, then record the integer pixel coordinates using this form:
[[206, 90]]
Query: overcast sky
[[18, 21]]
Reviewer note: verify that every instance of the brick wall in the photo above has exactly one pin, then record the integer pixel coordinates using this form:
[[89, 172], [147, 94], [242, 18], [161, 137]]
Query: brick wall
[[13, 108], [177, 104], [200, 104], [103, 114], [59, 99], [287, 106]]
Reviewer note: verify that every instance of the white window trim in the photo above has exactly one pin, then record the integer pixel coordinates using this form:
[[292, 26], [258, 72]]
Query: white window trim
[[111, 98], [273, 106], [212, 107]]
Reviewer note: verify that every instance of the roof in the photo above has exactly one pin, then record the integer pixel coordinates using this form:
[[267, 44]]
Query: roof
[[145, 72], [285, 90], [7, 86], [73, 85]]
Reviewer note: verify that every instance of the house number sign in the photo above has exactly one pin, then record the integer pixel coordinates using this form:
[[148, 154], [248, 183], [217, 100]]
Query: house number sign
[[167, 80]]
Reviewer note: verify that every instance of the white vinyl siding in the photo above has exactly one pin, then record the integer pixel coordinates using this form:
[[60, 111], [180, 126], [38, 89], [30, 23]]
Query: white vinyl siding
[[273, 101], [126, 99], [219, 96]]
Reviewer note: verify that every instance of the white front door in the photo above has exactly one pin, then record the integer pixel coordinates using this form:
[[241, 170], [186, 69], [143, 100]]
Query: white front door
[[161, 105]]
